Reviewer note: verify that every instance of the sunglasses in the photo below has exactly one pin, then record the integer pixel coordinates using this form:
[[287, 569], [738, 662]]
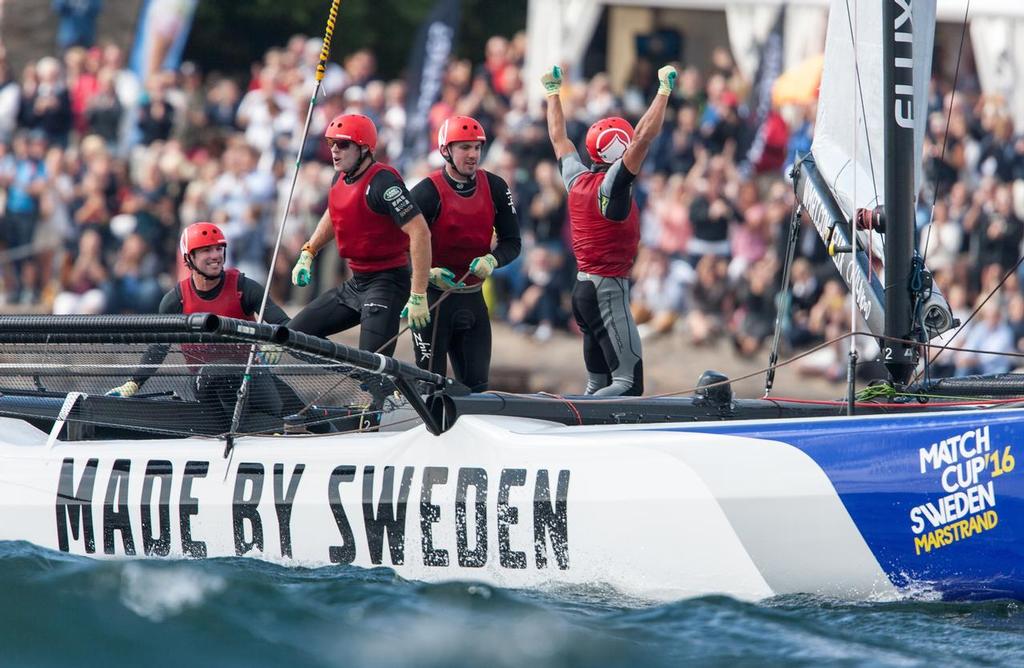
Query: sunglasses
[[342, 145]]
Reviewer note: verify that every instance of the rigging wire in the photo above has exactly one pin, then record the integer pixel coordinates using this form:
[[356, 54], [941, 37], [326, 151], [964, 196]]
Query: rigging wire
[[863, 109], [977, 308], [321, 69], [945, 134], [851, 368], [926, 369]]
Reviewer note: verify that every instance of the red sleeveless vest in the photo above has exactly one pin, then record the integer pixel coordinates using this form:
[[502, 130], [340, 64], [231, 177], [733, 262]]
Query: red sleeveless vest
[[603, 247], [228, 304], [464, 227], [370, 241]]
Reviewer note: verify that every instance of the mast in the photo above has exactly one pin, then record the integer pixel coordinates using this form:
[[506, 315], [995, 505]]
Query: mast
[[899, 157]]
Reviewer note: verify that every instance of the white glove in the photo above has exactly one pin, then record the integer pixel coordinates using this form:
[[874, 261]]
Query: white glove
[[483, 266], [269, 353], [444, 279], [125, 391], [303, 270], [552, 81], [416, 311], [666, 80]]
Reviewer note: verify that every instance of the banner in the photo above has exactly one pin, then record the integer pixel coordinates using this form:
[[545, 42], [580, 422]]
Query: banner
[[999, 60], [426, 70], [765, 154], [160, 39]]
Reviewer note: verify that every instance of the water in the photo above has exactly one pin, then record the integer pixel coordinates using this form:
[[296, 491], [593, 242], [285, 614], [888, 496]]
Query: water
[[60, 610]]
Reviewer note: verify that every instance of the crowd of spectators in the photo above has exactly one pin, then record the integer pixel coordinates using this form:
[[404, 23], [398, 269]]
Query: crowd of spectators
[[101, 170]]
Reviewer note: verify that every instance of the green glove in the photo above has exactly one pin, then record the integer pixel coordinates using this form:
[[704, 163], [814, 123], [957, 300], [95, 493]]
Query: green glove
[[444, 279], [416, 311], [127, 390], [303, 271], [269, 353], [666, 80], [483, 266], [552, 81]]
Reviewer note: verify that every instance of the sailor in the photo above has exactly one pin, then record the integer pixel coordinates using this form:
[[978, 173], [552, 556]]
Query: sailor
[[211, 288], [376, 226], [605, 226], [465, 207]]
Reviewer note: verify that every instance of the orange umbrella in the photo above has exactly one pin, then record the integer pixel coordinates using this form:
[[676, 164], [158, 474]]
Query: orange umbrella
[[799, 84]]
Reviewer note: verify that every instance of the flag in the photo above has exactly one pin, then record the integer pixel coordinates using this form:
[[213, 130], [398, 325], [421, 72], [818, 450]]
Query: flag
[[426, 68], [765, 152], [160, 39]]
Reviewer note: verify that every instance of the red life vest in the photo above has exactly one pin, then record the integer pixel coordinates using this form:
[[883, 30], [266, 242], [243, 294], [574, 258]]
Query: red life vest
[[227, 303], [464, 226], [603, 247], [370, 241]]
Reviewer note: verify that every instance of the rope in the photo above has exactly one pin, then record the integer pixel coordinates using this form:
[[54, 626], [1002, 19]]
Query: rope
[[320, 69], [394, 338]]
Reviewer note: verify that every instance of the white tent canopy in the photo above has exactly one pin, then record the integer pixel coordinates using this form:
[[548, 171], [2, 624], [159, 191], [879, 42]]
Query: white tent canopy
[[559, 31]]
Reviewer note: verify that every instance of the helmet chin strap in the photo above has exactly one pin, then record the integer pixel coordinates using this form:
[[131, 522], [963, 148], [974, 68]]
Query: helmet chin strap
[[447, 155], [363, 154]]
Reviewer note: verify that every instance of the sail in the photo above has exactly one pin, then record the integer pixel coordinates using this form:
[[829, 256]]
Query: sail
[[848, 133], [845, 169]]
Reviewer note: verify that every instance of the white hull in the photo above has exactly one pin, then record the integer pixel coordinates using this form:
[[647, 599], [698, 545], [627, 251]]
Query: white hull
[[508, 501]]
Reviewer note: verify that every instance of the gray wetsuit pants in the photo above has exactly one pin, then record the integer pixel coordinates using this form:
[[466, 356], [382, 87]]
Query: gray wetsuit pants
[[611, 343]]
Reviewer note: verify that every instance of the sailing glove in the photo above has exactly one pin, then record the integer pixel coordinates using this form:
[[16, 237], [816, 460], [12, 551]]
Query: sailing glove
[[552, 81], [483, 266], [416, 311], [666, 80], [444, 279], [269, 353], [303, 268], [126, 390]]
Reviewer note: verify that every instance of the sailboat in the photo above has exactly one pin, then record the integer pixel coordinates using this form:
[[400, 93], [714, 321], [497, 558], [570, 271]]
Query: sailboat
[[340, 456]]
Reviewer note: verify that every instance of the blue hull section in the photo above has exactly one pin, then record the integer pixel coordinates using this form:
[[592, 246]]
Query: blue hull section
[[938, 498]]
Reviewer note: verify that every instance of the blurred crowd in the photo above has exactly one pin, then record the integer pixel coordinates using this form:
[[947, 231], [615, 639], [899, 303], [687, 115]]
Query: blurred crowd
[[99, 172]]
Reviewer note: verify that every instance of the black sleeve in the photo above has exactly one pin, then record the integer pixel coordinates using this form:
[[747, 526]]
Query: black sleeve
[[388, 195], [426, 197], [172, 303], [252, 297], [616, 195], [156, 353], [506, 221]]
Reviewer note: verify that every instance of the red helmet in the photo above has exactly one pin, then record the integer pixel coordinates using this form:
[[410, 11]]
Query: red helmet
[[200, 235], [608, 139], [459, 128], [354, 127]]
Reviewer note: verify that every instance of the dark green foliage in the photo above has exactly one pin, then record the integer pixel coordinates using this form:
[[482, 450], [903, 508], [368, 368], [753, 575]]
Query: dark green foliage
[[230, 36]]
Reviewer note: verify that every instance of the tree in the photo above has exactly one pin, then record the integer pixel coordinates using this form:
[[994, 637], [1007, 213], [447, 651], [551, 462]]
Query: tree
[[230, 36]]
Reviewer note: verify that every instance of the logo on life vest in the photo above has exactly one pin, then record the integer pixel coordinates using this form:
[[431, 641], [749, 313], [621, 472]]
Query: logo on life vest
[[612, 143], [392, 193]]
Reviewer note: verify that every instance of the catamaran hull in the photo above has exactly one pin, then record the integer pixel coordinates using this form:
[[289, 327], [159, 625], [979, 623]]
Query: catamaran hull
[[845, 507]]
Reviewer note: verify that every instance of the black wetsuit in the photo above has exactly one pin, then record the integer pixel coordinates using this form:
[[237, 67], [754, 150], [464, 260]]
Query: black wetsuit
[[460, 327], [373, 300]]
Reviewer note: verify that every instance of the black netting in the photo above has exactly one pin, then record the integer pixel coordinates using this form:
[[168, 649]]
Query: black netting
[[192, 389]]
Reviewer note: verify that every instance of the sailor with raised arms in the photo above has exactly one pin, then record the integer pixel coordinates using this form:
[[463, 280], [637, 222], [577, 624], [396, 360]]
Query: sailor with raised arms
[[605, 225]]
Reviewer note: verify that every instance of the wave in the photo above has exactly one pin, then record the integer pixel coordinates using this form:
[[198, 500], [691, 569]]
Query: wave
[[62, 610]]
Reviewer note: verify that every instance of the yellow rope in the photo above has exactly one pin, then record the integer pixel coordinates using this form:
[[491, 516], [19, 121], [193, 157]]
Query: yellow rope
[[325, 52]]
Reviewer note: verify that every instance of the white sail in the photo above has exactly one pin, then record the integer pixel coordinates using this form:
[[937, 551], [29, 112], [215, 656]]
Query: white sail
[[848, 134]]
